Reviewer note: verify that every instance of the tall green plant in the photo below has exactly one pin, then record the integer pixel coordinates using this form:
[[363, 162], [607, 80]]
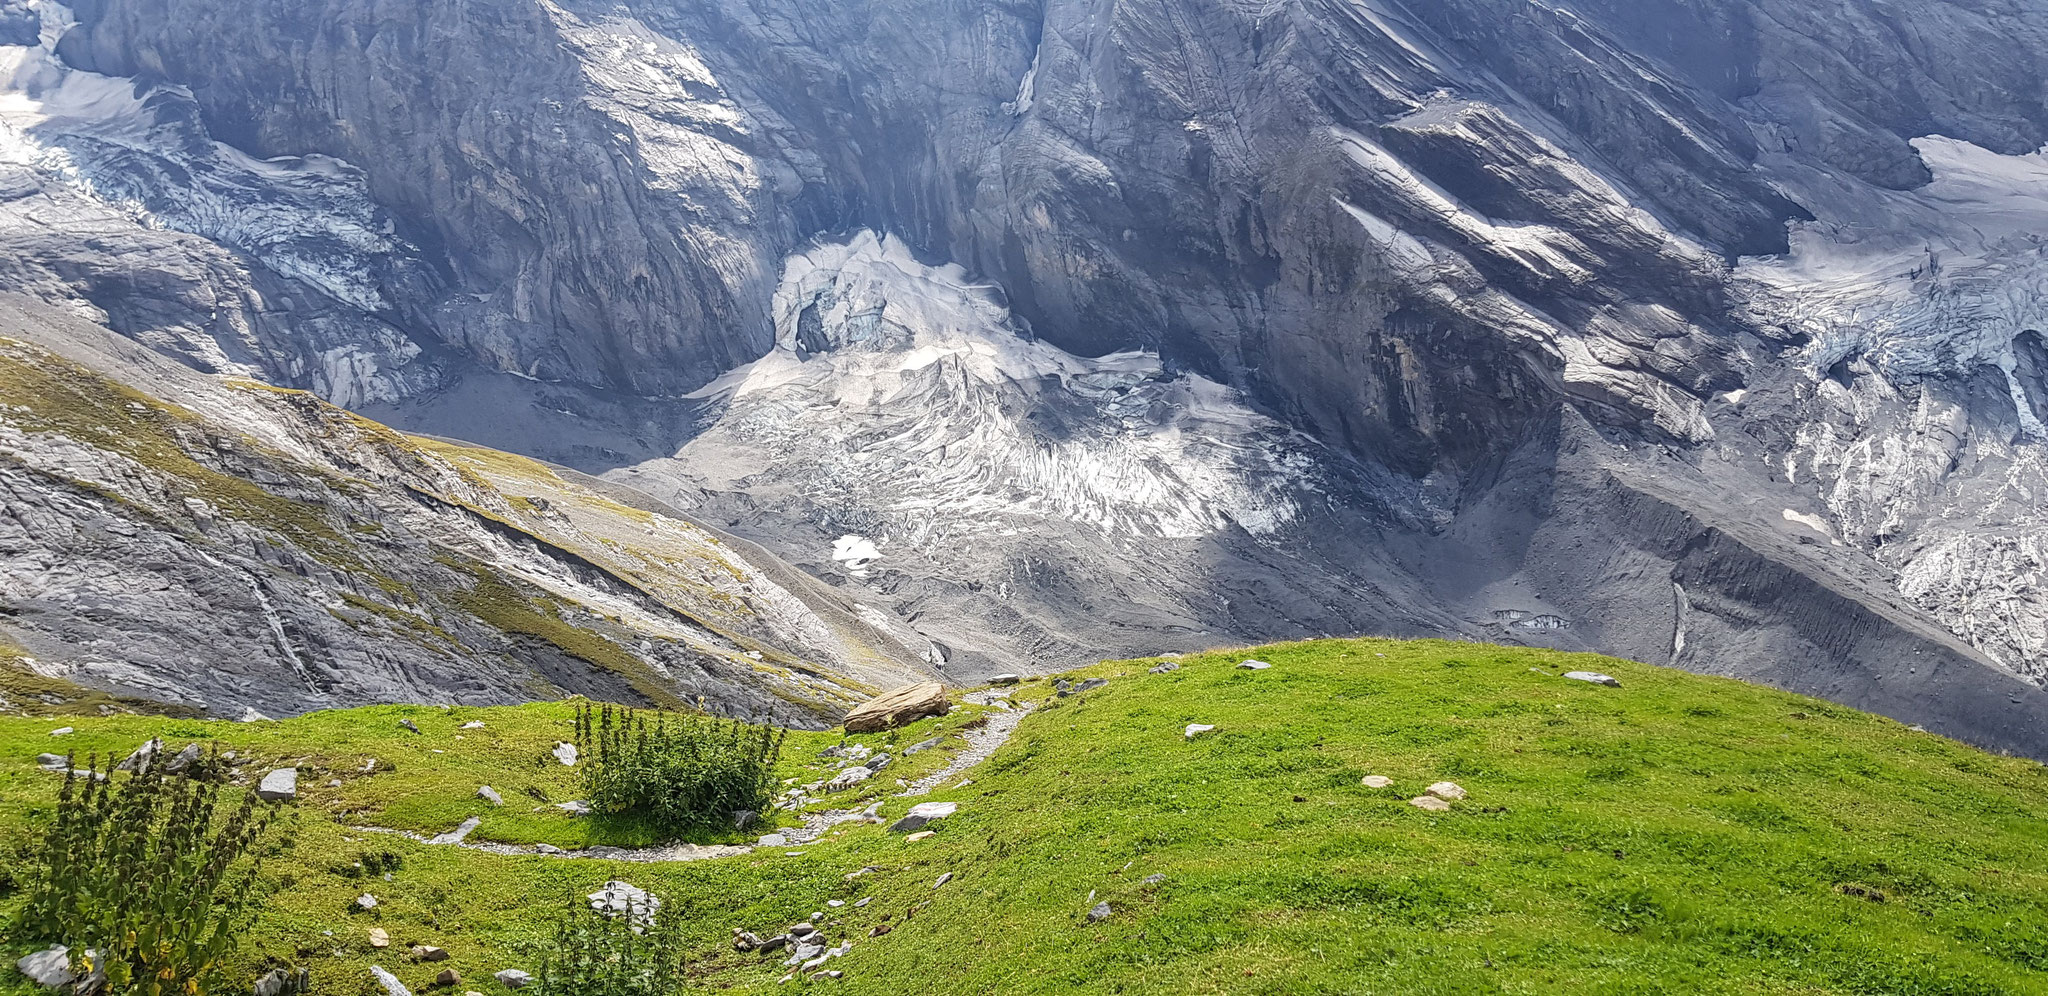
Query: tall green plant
[[681, 772], [151, 873], [599, 954]]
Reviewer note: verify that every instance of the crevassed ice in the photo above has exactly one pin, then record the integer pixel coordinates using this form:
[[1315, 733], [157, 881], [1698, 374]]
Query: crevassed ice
[[906, 396]]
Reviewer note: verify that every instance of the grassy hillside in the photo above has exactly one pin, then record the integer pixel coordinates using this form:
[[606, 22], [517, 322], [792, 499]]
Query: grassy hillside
[[1675, 833]]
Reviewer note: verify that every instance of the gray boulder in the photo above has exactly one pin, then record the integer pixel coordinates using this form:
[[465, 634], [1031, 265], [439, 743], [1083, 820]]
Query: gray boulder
[[923, 813], [279, 785], [49, 968]]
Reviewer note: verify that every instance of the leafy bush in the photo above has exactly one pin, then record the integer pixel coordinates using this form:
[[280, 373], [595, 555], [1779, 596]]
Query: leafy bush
[[597, 954], [680, 772], [151, 872]]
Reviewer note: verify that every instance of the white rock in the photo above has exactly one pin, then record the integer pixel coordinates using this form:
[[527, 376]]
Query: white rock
[[773, 840], [1375, 781], [250, 715], [143, 757], [389, 981], [474, 724], [1446, 790], [574, 807], [1253, 665], [49, 968], [62, 731], [51, 762], [1593, 676], [566, 753], [1429, 802], [279, 785], [513, 978], [923, 813], [1006, 679], [943, 879], [366, 902], [490, 795], [1196, 728], [460, 833], [623, 898]]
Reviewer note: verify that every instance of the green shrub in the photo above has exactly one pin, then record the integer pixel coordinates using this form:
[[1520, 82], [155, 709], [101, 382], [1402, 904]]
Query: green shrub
[[150, 871], [680, 772], [596, 954]]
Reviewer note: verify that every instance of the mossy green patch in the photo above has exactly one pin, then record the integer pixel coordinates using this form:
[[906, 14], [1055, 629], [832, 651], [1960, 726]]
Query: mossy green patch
[[1675, 833]]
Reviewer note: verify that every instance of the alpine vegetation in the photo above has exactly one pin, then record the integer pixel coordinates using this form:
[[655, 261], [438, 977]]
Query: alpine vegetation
[[150, 879], [681, 773]]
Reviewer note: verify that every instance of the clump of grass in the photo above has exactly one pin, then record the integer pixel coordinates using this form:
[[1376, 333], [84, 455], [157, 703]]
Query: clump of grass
[[148, 879], [681, 772]]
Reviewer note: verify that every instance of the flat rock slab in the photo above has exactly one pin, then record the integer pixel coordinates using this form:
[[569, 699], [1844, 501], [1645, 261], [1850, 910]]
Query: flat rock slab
[[898, 706], [279, 785], [922, 814], [1449, 791], [566, 753], [1253, 665], [1375, 781], [1431, 803], [1195, 729], [1593, 676]]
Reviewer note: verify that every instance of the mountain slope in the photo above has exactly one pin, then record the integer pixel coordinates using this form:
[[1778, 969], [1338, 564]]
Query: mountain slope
[[1676, 831], [1771, 263], [250, 548]]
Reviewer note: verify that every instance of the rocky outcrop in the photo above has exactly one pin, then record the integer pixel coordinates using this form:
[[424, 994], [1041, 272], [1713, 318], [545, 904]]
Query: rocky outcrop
[[247, 548], [897, 707]]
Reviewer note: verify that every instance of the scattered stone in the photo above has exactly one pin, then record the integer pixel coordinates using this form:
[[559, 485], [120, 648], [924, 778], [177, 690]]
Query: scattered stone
[[366, 902], [922, 745], [1253, 665], [513, 978], [923, 813], [279, 786], [566, 753], [1593, 676], [334, 783], [52, 762], [490, 795], [1375, 781], [1006, 679], [273, 983], [49, 968], [1430, 802], [943, 879], [1448, 791], [623, 898], [428, 952], [574, 807], [185, 759], [863, 901], [448, 977], [474, 724], [773, 840], [1197, 728], [848, 779], [832, 974], [143, 757], [379, 938], [743, 941], [1154, 879], [920, 835], [547, 849], [1100, 913], [802, 930], [389, 981], [409, 724], [835, 903], [460, 833], [878, 762], [897, 707], [62, 731], [1168, 666], [1064, 689]]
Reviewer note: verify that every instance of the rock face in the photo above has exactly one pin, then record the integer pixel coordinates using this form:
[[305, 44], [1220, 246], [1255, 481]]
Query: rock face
[[1705, 334], [897, 707], [249, 547]]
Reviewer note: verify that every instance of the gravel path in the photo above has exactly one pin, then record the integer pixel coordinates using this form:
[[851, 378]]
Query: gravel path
[[981, 742]]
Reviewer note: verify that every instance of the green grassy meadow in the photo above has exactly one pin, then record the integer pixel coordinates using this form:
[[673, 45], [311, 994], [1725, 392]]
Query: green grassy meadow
[[1678, 833]]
